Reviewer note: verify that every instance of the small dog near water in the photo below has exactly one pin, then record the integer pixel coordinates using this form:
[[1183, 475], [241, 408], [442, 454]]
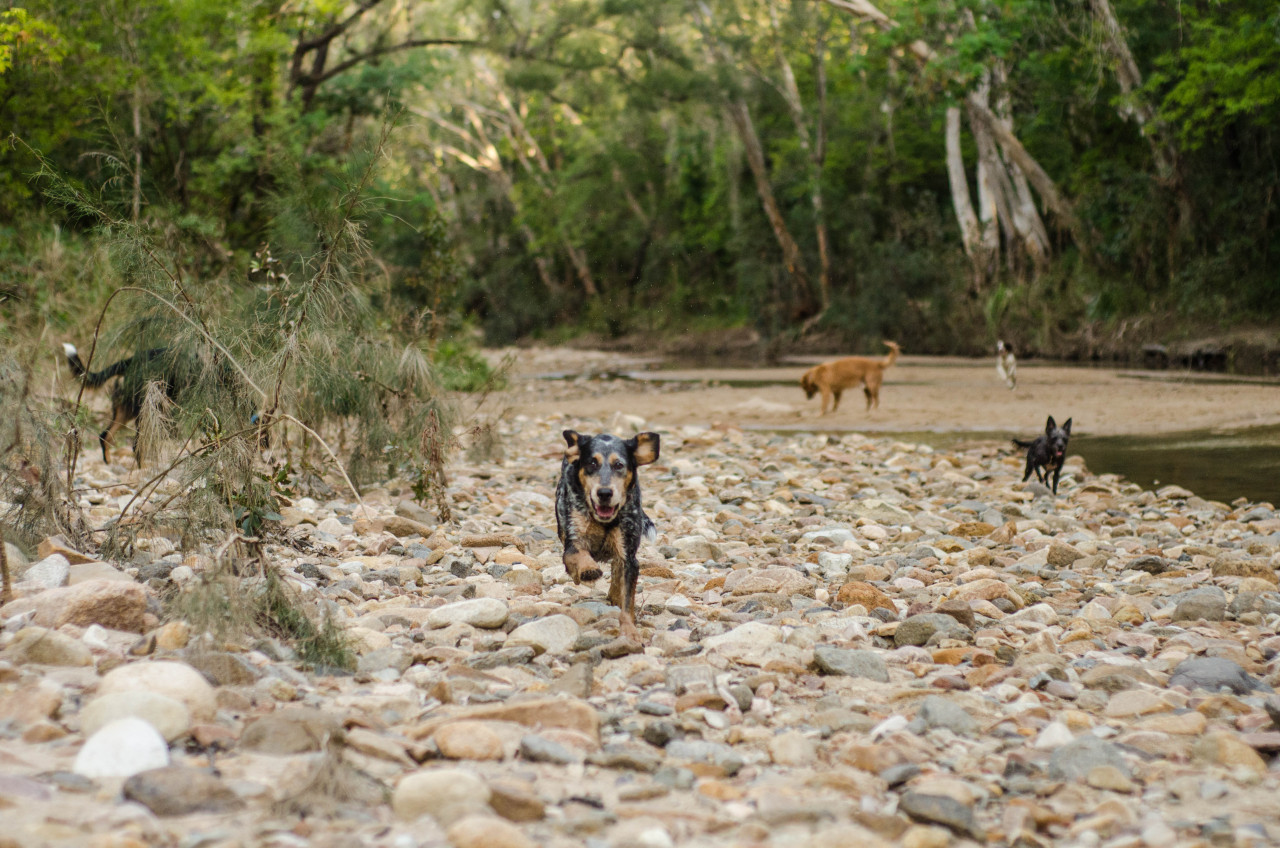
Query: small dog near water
[[1006, 365], [1047, 451], [832, 378], [599, 515]]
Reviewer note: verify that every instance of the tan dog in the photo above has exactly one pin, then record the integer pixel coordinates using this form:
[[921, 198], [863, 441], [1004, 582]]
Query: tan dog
[[832, 378]]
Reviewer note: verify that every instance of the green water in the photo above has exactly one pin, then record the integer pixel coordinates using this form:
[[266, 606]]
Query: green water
[[1220, 466], [1216, 465]]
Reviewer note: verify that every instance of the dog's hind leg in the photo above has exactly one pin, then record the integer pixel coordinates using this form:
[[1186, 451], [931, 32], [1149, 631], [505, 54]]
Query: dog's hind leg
[[836, 405], [630, 575], [1031, 466], [871, 388], [617, 576]]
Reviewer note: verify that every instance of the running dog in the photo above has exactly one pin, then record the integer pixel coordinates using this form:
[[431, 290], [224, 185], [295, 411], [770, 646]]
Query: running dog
[[155, 365], [599, 516], [832, 378], [1047, 451], [1007, 365]]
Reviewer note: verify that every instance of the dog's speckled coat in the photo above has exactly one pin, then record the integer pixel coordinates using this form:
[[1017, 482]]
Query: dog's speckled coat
[[599, 515]]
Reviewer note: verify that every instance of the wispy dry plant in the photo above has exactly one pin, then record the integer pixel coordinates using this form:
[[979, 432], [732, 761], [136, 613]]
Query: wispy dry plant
[[300, 348], [33, 500]]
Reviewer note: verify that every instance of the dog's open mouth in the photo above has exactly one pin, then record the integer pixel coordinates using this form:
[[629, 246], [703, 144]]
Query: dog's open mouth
[[605, 513]]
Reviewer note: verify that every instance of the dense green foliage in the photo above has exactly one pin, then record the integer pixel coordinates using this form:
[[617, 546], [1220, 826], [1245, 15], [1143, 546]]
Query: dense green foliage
[[590, 164]]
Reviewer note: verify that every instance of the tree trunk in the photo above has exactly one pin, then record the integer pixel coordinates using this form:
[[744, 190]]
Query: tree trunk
[[1137, 107], [740, 115], [970, 234], [814, 144], [791, 258], [1026, 218], [1134, 105]]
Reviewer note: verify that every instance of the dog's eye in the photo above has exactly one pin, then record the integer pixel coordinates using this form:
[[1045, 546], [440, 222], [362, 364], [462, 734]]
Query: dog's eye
[[618, 465], [592, 466]]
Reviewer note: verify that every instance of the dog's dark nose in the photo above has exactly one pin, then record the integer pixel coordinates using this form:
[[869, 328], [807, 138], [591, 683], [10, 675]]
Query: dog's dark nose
[[604, 495]]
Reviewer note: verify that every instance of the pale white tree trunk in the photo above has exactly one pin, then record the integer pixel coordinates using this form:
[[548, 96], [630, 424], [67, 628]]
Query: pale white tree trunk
[[980, 113], [970, 232]]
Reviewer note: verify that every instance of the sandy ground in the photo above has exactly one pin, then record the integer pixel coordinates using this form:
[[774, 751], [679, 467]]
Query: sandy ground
[[920, 394]]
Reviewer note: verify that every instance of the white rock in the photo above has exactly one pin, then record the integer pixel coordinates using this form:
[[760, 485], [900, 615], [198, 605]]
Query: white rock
[[49, 573], [446, 794], [1095, 611], [835, 535], [1054, 735], [122, 748], [167, 715], [753, 634], [834, 565], [1041, 613], [892, 724], [554, 634], [478, 612], [679, 605], [174, 679], [333, 527], [95, 636]]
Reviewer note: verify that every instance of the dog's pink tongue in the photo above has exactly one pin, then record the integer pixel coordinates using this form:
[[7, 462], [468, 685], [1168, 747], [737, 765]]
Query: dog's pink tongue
[[605, 512]]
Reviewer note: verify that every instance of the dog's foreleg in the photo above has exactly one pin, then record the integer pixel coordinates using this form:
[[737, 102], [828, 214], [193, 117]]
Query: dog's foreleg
[[580, 565], [826, 399], [1056, 473]]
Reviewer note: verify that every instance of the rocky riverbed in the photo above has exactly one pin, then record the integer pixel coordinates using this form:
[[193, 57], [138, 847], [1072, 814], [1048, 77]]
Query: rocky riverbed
[[848, 641]]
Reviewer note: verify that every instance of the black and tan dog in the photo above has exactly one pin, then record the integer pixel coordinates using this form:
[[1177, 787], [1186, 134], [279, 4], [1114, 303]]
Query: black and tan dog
[[135, 372], [599, 515], [1047, 451]]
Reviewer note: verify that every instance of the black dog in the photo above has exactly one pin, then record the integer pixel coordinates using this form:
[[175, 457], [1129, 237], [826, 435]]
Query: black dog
[[1047, 452], [599, 516], [155, 365]]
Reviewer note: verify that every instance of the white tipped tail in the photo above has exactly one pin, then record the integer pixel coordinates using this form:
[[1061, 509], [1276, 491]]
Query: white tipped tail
[[70, 349]]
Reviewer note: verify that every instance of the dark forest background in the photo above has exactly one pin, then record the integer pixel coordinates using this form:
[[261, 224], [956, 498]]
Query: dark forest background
[[1079, 177]]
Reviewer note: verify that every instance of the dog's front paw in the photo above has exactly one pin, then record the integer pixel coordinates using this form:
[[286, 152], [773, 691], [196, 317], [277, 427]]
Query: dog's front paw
[[581, 566]]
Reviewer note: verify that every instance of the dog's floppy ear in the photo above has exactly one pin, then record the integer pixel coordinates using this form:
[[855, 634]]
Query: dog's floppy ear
[[572, 439], [1067, 427], [644, 448], [1050, 425]]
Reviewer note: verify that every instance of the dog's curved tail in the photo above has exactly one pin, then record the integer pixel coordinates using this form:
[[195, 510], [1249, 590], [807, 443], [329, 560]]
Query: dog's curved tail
[[650, 532], [96, 378], [1020, 443], [894, 350]]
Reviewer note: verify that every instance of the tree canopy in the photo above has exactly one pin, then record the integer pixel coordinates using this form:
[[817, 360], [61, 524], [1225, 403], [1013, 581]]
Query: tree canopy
[[940, 171]]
